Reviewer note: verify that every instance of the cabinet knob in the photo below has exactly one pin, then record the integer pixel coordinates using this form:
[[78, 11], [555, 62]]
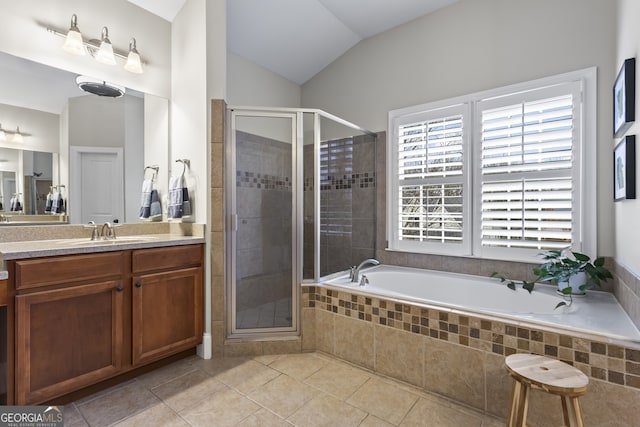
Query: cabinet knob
[[119, 289], [138, 284]]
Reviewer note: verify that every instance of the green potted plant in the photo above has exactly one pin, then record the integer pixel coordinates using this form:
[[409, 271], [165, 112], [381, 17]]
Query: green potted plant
[[573, 273]]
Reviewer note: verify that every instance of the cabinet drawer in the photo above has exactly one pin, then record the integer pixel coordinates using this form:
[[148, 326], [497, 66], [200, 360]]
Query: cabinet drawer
[[32, 273], [166, 258]]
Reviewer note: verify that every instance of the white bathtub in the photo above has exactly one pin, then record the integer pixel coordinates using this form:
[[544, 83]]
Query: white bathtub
[[596, 313]]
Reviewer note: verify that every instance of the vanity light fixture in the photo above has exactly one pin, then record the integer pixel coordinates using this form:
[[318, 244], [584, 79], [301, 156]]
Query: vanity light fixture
[[133, 64], [17, 136], [105, 53], [102, 50], [73, 42]]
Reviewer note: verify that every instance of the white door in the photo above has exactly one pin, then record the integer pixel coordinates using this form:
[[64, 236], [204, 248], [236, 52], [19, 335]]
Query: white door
[[97, 183]]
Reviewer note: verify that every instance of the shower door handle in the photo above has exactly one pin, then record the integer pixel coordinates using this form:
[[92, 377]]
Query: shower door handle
[[234, 222]]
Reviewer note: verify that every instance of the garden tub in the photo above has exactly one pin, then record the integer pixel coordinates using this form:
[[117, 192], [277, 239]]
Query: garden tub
[[596, 313]]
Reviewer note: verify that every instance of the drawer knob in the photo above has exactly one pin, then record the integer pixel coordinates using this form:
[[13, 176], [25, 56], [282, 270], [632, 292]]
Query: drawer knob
[[138, 284], [119, 289]]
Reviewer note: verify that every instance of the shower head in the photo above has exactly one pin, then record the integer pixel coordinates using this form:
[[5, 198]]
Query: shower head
[[99, 87]]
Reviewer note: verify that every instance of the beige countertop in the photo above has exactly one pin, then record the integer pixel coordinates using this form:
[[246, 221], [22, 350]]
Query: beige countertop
[[42, 248]]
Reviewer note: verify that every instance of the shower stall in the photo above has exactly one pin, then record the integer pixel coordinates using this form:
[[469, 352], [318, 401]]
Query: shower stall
[[301, 205]]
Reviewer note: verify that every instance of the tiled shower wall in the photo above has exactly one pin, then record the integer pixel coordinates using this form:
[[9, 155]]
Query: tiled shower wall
[[264, 202], [347, 203]]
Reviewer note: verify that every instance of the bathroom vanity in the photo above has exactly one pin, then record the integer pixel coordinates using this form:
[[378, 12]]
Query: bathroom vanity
[[85, 313]]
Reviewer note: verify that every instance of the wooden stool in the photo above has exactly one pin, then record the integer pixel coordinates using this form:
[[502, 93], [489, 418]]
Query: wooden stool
[[550, 375]]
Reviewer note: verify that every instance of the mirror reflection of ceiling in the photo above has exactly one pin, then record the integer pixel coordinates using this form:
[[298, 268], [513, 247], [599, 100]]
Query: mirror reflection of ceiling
[[28, 84]]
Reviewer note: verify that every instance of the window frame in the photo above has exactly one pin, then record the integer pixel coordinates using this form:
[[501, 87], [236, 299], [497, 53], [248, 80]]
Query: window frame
[[437, 110], [585, 157]]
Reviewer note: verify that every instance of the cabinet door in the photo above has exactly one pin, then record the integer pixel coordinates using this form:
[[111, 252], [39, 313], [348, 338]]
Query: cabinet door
[[167, 313], [67, 339]]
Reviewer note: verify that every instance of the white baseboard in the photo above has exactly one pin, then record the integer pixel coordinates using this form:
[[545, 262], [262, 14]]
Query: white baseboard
[[205, 350]]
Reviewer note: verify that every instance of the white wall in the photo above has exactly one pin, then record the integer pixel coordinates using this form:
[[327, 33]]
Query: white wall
[[43, 127], [627, 233], [252, 85], [472, 46], [133, 156], [23, 34], [189, 101], [156, 143]]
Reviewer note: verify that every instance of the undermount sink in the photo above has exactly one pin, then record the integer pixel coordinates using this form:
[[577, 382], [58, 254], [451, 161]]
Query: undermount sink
[[116, 241]]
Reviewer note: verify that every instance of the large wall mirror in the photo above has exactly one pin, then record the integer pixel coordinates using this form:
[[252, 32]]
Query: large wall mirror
[[88, 150]]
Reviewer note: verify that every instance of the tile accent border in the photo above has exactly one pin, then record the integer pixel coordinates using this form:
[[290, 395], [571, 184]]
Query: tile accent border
[[262, 181], [601, 360]]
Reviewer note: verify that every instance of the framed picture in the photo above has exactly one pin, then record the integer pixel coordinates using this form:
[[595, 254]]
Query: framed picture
[[624, 169], [624, 99]]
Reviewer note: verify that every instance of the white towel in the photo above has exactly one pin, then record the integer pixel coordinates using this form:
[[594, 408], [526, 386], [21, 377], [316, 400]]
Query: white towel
[[145, 202], [49, 203], [57, 206], [179, 206], [156, 206], [174, 209]]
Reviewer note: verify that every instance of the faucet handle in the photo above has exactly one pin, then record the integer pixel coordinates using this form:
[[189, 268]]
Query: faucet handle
[[352, 273], [363, 281], [95, 235]]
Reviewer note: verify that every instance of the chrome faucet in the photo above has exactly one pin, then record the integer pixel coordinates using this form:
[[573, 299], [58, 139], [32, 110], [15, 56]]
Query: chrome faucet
[[111, 232], [354, 273]]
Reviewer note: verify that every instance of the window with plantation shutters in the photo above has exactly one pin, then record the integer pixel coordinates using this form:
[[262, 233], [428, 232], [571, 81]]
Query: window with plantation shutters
[[497, 174], [430, 171], [429, 158], [526, 187]]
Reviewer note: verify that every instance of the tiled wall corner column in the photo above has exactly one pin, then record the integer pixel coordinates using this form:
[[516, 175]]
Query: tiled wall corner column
[[627, 291], [218, 111], [222, 347]]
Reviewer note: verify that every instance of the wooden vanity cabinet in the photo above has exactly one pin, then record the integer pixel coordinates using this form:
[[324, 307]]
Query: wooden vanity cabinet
[[167, 302], [80, 319], [69, 323]]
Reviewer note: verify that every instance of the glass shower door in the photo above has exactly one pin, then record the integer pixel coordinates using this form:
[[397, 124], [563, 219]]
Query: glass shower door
[[264, 270]]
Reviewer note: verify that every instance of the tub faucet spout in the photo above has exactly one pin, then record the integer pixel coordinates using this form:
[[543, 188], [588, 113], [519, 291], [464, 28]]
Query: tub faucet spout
[[355, 276]]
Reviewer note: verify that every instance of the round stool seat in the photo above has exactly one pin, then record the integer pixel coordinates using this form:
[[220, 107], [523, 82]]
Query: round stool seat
[[551, 375]]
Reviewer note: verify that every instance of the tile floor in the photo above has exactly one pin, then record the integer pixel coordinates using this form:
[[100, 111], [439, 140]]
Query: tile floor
[[274, 314], [309, 389]]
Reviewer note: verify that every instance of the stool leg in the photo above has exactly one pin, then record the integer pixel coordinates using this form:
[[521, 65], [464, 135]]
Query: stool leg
[[519, 405], [572, 411]]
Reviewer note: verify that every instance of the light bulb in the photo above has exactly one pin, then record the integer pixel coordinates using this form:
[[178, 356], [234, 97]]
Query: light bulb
[[17, 137], [105, 53], [133, 64], [73, 42]]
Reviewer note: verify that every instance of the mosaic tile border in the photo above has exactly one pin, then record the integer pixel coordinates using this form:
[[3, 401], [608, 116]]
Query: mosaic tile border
[[262, 181], [344, 182], [604, 361]]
